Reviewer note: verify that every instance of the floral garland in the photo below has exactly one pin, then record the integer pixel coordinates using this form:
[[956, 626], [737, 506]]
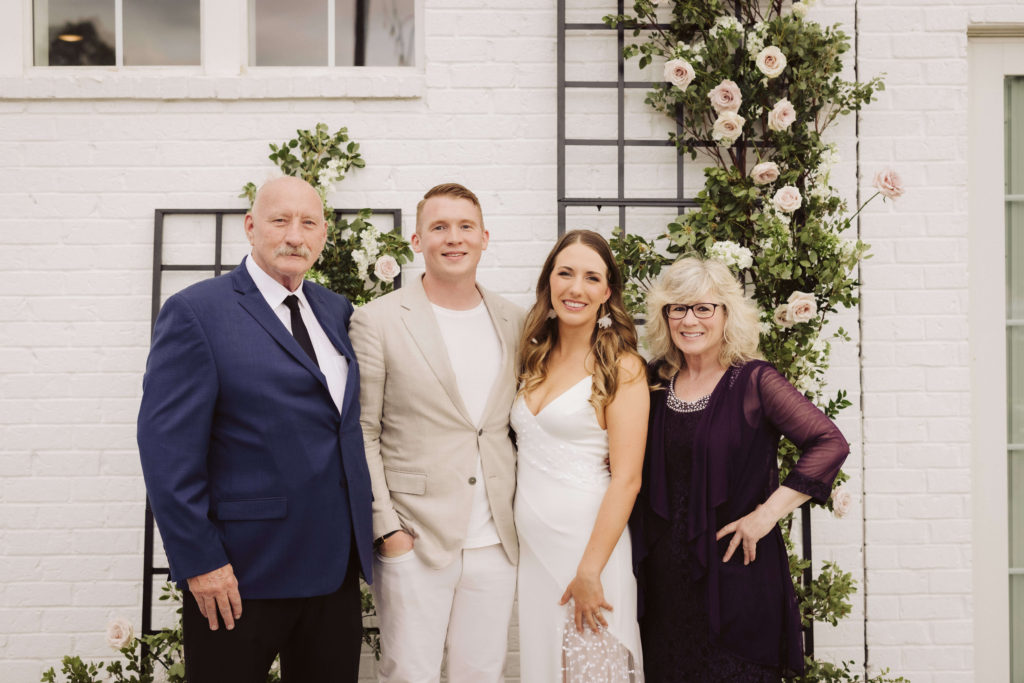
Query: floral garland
[[753, 86]]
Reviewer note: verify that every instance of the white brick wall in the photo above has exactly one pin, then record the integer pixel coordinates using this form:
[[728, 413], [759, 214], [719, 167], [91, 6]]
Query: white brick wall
[[81, 178]]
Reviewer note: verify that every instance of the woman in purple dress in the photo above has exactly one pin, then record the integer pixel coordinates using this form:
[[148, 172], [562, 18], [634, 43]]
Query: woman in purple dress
[[717, 601]]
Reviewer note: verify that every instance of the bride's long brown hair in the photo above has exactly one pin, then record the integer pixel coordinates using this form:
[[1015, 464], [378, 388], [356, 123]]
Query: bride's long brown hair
[[608, 345]]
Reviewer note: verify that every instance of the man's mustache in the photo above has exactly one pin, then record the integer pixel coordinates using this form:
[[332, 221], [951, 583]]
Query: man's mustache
[[293, 251]]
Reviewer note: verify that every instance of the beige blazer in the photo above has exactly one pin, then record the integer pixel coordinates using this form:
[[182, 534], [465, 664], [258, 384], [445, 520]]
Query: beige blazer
[[421, 446]]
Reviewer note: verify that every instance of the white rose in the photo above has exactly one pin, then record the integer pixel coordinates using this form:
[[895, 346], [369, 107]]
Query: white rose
[[679, 73], [771, 61], [120, 634], [728, 126], [764, 173], [802, 307], [889, 184], [386, 268], [842, 501], [782, 116], [781, 316], [787, 199], [726, 97]]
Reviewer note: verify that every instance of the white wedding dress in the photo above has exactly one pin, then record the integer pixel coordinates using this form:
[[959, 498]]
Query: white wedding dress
[[561, 480]]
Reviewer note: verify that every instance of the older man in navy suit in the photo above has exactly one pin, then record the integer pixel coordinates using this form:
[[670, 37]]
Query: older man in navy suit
[[253, 457]]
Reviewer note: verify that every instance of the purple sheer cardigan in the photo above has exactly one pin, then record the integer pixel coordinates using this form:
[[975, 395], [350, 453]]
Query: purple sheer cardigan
[[752, 610]]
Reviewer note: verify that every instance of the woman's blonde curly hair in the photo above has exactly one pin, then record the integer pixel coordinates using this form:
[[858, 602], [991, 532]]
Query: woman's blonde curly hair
[[693, 280], [608, 345]]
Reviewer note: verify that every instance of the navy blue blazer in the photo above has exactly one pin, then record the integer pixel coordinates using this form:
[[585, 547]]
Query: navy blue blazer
[[246, 457]]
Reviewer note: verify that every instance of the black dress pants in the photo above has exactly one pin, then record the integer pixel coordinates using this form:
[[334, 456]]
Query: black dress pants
[[318, 638]]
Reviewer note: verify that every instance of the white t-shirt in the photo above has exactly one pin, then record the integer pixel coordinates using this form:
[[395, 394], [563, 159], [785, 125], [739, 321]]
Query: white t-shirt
[[475, 354]]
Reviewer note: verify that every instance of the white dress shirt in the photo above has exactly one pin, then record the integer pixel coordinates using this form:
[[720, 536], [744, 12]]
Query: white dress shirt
[[331, 362]]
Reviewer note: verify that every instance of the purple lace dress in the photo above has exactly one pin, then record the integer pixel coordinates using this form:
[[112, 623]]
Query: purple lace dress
[[709, 463]]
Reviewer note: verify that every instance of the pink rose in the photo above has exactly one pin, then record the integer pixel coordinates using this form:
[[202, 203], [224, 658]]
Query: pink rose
[[764, 173], [726, 97], [787, 199], [802, 307], [782, 116], [386, 268], [842, 501], [120, 634], [679, 73], [889, 184], [728, 126], [771, 61]]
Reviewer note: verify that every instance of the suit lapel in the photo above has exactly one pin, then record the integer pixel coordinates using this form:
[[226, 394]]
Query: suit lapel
[[506, 334], [253, 302], [419, 320]]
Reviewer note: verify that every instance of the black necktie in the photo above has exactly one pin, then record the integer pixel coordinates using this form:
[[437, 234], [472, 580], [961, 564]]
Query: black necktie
[[299, 330]]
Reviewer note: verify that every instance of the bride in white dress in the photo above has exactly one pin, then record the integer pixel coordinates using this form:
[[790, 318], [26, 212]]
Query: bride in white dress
[[581, 424]]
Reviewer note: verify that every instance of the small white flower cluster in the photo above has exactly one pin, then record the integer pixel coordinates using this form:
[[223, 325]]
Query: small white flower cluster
[[726, 23], [328, 175], [385, 268], [755, 39], [731, 254]]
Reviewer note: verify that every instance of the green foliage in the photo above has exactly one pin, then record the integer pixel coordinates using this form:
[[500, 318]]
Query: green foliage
[[819, 671], [354, 247], [767, 208]]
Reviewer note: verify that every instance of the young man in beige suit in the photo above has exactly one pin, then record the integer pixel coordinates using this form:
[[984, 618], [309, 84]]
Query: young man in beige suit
[[437, 364]]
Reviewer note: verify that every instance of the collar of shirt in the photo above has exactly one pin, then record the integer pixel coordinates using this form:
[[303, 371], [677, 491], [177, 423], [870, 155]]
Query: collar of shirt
[[272, 290]]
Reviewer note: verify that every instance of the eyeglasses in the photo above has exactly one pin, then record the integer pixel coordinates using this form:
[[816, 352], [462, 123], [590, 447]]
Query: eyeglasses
[[679, 311]]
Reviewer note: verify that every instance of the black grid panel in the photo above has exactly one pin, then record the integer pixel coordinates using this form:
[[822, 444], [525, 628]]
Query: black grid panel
[[681, 202], [214, 268]]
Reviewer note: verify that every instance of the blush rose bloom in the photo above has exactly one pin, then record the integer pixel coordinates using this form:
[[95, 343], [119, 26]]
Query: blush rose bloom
[[679, 73], [782, 116], [386, 268], [764, 173], [120, 633], [787, 199], [802, 307], [842, 501], [889, 184], [726, 97], [728, 126], [771, 61]]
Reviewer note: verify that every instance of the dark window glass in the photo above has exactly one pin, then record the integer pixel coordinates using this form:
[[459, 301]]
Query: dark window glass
[[374, 32], [159, 32], [288, 33], [74, 33]]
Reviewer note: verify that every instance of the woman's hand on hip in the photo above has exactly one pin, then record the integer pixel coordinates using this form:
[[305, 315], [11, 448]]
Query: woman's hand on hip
[[588, 597], [747, 531]]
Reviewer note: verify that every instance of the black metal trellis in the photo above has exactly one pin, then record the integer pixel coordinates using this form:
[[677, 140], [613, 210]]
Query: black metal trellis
[[149, 571], [680, 202]]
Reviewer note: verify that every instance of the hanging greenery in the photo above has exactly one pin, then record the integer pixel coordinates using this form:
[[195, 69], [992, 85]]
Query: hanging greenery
[[753, 87]]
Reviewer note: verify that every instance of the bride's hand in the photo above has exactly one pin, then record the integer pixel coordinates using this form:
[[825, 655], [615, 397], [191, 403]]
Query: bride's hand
[[588, 596]]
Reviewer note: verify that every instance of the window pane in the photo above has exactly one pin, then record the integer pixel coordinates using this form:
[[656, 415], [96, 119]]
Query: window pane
[[157, 32], [78, 32], [288, 33], [1017, 510], [1017, 627], [374, 32]]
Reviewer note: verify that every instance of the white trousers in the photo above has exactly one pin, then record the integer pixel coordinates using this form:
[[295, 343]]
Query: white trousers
[[464, 608]]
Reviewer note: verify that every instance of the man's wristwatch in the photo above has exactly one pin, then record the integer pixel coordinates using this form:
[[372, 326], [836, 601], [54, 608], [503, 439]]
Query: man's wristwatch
[[377, 543]]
